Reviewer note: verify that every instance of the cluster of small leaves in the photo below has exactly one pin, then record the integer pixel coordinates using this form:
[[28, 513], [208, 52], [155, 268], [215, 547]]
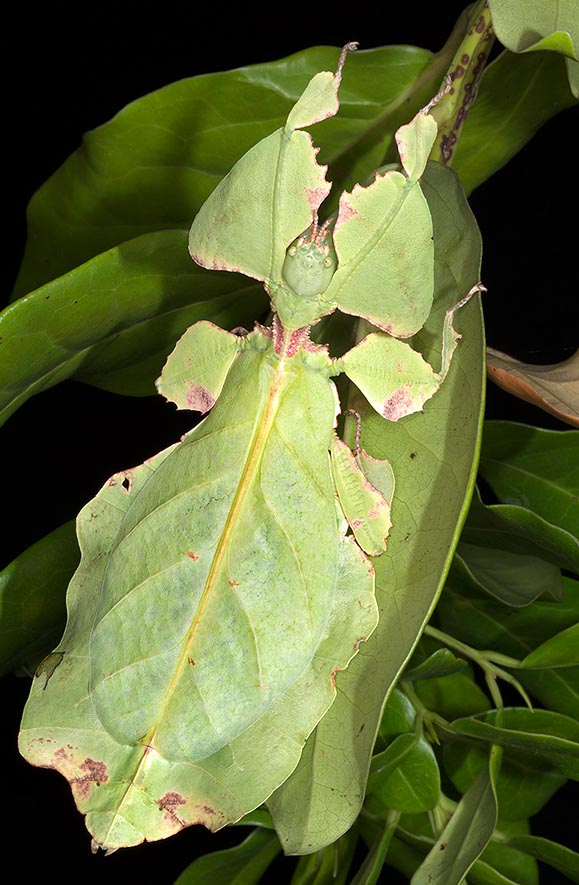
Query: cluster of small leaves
[[107, 290]]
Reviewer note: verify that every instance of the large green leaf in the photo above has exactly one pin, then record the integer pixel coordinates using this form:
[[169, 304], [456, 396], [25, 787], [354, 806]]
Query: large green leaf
[[32, 590], [528, 539], [113, 320], [534, 468], [561, 650], [517, 95], [535, 25], [433, 455], [534, 733], [557, 856], [154, 164], [243, 865], [207, 617], [511, 862], [513, 527], [531, 769]]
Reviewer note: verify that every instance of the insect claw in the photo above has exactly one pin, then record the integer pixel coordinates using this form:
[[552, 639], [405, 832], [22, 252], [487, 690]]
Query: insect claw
[[358, 418]]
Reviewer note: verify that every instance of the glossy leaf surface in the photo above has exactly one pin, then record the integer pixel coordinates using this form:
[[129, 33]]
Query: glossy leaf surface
[[113, 320], [536, 25], [465, 835], [557, 856], [243, 865], [517, 95], [32, 588], [534, 468]]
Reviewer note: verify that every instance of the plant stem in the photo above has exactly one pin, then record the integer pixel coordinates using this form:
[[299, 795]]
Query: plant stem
[[465, 72]]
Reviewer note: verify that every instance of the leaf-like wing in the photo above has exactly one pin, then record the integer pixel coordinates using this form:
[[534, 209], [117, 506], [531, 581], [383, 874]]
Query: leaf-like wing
[[271, 195], [383, 238], [215, 626]]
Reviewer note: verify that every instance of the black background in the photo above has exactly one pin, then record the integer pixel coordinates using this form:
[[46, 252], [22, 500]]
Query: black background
[[68, 68]]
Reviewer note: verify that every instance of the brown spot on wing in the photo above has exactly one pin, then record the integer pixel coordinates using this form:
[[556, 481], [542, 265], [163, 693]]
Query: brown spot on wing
[[199, 399]]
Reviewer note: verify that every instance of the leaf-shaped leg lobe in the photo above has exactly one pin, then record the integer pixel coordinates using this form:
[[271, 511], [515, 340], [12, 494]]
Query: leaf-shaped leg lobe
[[365, 507], [395, 379], [195, 371], [211, 617]]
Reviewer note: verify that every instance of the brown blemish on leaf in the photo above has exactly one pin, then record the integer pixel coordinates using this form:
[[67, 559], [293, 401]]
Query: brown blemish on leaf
[[345, 212], [171, 800], [316, 195], [193, 556], [95, 773], [233, 583], [199, 399], [168, 803], [192, 662], [398, 404]]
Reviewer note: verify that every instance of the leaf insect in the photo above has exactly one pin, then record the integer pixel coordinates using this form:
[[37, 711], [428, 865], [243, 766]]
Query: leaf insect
[[221, 592]]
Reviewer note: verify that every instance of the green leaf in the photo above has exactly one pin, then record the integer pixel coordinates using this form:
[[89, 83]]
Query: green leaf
[[156, 617], [534, 468], [398, 717], [480, 621], [514, 554], [536, 25], [432, 455], [482, 873], [330, 866], [154, 164], [113, 320], [32, 591], [453, 696], [384, 764], [514, 578], [524, 784], [409, 784], [561, 650], [539, 733], [509, 861], [516, 96], [517, 529], [557, 856], [369, 872], [243, 865], [440, 663], [466, 834]]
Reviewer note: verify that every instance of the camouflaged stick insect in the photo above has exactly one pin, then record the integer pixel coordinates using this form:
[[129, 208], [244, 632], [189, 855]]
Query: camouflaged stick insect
[[219, 590]]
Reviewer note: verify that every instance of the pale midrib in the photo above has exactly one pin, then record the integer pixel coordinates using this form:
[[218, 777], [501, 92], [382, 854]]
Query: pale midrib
[[261, 435]]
